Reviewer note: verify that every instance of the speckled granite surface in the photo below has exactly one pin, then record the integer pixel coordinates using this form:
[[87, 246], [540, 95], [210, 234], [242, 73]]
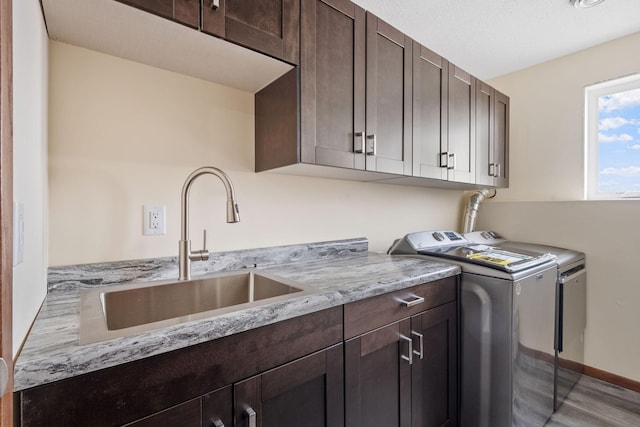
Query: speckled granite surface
[[339, 272]]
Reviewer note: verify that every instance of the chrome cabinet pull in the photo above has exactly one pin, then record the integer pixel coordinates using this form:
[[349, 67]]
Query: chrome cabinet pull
[[444, 160], [217, 423], [371, 138], [359, 135], [492, 169], [415, 300], [409, 357], [451, 162], [215, 4], [420, 352], [252, 416]]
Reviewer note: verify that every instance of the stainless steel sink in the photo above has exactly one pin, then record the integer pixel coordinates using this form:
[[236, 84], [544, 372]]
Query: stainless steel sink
[[117, 311]]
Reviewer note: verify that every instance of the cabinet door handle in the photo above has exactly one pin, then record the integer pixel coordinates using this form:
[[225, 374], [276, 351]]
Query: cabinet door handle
[[415, 300], [444, 159], [420, 352], [217, 423], [251, 414], [409, 356], [498, 170], [451, 162], [492, 169], [356, 149], [371, 138], [215, 4]]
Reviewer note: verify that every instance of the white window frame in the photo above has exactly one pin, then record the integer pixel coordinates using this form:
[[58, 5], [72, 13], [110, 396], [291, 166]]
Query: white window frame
[[591, 123]]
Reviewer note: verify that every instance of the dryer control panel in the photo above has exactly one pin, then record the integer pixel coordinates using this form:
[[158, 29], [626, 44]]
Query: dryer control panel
[[484, 237]]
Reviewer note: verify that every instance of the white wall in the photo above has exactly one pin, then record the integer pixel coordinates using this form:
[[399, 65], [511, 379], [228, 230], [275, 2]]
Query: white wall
[[547, 172], [30, 57], [123, 134]]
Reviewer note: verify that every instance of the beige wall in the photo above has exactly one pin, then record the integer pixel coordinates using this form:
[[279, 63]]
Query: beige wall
[[543, 203], [30, 47], [124, 134]]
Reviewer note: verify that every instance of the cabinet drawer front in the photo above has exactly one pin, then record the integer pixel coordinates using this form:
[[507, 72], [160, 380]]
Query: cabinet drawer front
[[371, 313]]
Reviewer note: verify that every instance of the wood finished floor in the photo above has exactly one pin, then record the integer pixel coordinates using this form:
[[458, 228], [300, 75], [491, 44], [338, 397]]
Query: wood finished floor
[[595, 403]]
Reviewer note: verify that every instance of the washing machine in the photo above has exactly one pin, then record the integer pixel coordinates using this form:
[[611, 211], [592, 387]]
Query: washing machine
[[506, 328]]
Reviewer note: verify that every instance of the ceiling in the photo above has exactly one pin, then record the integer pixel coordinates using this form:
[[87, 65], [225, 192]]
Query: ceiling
[[489, 38]]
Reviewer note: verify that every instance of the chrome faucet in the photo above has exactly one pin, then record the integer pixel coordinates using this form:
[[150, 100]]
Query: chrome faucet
[[233, 215]]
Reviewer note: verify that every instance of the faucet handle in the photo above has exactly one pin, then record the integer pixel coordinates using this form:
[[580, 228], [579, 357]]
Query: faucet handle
[[202, 254], [204, 239]]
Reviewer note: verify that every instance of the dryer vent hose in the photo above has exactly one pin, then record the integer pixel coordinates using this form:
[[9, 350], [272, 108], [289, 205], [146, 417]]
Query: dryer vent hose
[[471, 211]]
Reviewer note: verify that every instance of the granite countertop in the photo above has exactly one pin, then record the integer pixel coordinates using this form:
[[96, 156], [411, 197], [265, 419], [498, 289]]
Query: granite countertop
[[339, 272]]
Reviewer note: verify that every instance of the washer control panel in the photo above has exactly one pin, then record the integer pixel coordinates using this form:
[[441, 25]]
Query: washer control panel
[[434, 239]]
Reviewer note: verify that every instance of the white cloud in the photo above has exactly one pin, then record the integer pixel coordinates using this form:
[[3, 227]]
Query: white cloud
[[616, 122], [607, 186], [624, 137], [635, 147], [620, 100], [628, 171]]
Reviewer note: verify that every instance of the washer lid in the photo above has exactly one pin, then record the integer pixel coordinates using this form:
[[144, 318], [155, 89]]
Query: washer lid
[[451, 245], [493, 257]]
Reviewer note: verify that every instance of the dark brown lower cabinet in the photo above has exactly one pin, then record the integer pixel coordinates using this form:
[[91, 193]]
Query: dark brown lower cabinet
[[307, 392], [405, 373], [434, 390], [186, 414], [397, 367], [217, 409]]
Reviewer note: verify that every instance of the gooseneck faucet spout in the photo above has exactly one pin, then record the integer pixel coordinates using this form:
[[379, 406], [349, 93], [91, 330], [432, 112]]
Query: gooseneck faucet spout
[[186, 255]]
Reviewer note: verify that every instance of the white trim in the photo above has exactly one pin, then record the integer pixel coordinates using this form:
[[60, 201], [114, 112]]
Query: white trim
[[591, 122]]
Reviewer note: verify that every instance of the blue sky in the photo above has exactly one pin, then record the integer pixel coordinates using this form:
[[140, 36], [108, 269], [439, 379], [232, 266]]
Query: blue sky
[[619, 142]]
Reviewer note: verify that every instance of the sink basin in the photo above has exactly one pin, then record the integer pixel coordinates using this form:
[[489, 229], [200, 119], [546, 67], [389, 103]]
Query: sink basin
[[117, 311]]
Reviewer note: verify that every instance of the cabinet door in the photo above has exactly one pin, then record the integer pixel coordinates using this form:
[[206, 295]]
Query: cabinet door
[[217, 408], [462, 127], [307, 392], [183, 11], [430, 86], [485, 136], [185, 414], [388, 144], [332, 83], [492, 136], [378, 378], [268, 26], [501, 140], [435, 369]]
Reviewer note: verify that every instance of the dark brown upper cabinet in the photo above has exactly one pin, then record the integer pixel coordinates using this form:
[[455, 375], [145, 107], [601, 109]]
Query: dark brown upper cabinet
[[443, 119], [183, 11], [267, 26], [459, 158], [492, 137], [388, 139], [354, 105], [430, 87], [332, 84]]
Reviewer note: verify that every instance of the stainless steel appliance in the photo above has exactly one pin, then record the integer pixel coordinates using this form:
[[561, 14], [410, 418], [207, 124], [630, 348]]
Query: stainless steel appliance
[[571, 308], [506, 328]]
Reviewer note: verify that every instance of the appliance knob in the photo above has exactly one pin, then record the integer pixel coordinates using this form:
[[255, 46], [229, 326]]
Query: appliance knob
[[486, 235], [438, 236]]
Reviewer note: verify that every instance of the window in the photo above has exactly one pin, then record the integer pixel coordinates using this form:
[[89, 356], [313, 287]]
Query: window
[[612, 129]]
